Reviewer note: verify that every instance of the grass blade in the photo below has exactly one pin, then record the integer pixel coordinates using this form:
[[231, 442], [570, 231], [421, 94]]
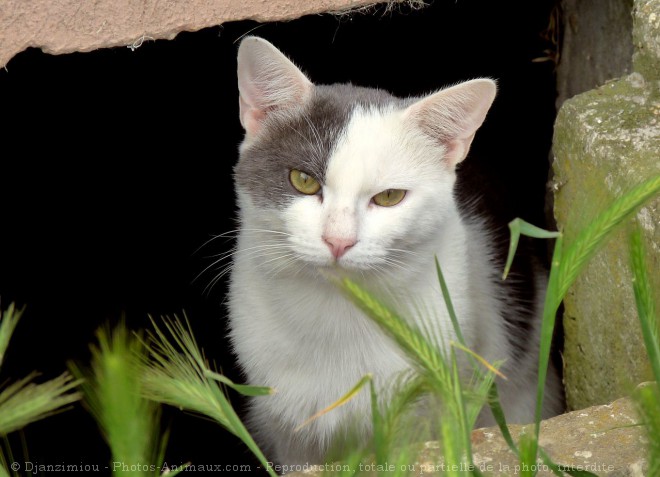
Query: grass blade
[[243, 389], [517, 227], [9, 321], [462, 445], [409, 339], [648, 396], [339, 402], [500, 419], [24, 402], [648, 399], [5, 459], [550, 308], [177, 374], [381, 438], [439, 374], [528, 446], [112, 391], [589, 240], [450, 450], [467, 418], [480, 359], [448, 303], [645, 304]]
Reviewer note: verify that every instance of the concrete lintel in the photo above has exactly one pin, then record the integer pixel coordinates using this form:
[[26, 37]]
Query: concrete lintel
[[66, 26]]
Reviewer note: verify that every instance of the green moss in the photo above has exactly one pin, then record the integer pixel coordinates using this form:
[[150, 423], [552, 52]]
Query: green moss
[[606, 141]]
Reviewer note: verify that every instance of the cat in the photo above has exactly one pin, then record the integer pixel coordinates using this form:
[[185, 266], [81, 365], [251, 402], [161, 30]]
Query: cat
[[349, 178]]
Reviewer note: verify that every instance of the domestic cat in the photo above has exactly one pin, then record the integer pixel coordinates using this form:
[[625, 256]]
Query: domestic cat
[[354, 179]]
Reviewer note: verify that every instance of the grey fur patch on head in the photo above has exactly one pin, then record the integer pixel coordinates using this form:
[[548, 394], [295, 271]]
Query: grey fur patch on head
[[304, 140]]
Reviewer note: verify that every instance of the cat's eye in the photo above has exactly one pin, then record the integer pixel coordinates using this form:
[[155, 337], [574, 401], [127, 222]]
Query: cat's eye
[[389, 197], [303, 182]]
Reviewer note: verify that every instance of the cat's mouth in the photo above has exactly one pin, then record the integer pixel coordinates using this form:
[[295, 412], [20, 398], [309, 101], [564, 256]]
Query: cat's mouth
[[351, 263], [338, 270], [332, 264]]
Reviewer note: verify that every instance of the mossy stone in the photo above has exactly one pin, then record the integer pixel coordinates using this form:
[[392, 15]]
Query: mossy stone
[[606, 141]]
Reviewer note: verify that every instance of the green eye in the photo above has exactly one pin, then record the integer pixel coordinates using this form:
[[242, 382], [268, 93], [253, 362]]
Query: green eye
[[389, 197], [304, 182]]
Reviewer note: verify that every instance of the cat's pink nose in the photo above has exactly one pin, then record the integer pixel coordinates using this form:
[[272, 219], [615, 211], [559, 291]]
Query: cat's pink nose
[[338, 246]]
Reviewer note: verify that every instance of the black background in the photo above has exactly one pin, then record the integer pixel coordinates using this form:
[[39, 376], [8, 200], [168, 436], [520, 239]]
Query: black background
[[115, 167]]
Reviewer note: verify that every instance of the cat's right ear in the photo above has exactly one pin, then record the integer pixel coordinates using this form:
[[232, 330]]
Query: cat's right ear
[[268, 82], [452, 116]]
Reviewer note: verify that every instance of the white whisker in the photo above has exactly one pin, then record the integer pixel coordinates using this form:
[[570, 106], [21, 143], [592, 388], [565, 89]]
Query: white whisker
[[401, 250]]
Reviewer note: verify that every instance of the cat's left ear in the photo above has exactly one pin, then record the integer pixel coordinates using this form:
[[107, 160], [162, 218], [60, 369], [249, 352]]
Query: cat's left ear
[[268, 83], [453, 115]]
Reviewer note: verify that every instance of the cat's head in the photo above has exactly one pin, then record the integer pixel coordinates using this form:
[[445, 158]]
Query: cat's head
[[343, 175]]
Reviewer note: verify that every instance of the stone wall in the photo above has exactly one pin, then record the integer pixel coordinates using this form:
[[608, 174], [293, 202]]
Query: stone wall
[[607, 140]]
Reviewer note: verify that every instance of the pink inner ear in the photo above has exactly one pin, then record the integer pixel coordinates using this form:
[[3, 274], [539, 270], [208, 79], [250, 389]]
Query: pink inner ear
[[457, 149], [453, 115], [251, 118], [267, 81]]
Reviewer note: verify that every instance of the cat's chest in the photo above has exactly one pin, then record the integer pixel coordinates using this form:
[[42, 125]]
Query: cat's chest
[[306, 329]]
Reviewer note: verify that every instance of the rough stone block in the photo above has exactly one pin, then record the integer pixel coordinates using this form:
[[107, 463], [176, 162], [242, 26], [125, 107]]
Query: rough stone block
[[606, 141], [583, 439], [646, 38]]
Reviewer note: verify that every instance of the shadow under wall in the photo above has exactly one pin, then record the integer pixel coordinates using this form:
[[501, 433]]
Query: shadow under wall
[[116, 167]]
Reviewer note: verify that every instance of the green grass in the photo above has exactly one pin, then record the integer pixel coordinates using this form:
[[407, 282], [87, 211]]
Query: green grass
[[457, 406], [648, 397], [24, 401], [130, 377], [177, 374], [112, 389]]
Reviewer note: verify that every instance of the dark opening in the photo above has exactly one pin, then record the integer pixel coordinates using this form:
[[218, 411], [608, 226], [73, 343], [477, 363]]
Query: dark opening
[[116, 167]]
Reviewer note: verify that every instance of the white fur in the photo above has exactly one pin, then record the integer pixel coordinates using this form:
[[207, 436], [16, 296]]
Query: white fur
[[293, 330]]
